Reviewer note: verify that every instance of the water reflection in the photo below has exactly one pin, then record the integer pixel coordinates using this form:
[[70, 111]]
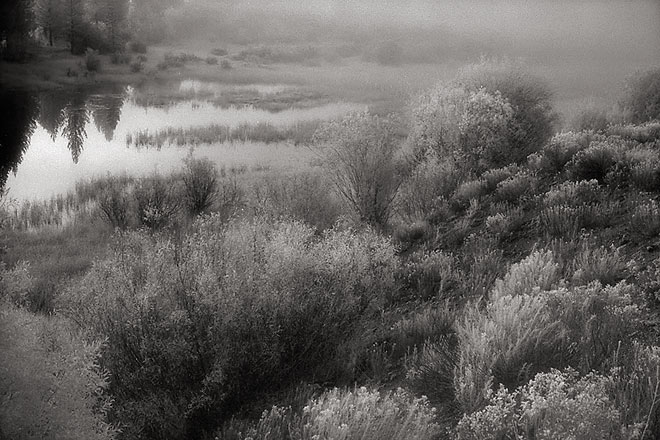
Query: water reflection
[[59, 137], [19, 111]]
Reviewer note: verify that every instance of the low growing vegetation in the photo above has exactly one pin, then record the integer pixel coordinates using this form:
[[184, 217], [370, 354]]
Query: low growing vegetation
[[472, 275]]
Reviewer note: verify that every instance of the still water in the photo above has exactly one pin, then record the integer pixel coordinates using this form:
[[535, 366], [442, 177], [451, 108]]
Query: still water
[[57, 138]]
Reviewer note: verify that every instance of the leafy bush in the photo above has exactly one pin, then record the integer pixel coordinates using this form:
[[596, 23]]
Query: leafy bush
[[361, 154], [200, 185], [595, 162], [211, 61], [599, 264], [339, 414], [429, 275], [468, 191], [643, 96], [225, 64], [494, 176], [560, 150], [92, 60], [472, 127], [506, 220], [530, 99], [645, 219], [423, 193], [515, 188], [301, 196], [200, 324], [506, 344], [536, 272], [584, 192]]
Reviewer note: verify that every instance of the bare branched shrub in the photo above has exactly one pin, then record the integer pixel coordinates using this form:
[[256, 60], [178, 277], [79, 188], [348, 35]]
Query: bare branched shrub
[[115, 204], [200, 184], [156, 202], [361, 153]]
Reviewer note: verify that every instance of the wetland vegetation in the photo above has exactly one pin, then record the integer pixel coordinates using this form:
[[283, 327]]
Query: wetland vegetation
[[334, 220]]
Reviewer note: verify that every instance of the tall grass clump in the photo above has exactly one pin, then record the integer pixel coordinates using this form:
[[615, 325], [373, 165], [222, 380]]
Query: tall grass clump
[[200, 324], [361, 153], [200, 185]]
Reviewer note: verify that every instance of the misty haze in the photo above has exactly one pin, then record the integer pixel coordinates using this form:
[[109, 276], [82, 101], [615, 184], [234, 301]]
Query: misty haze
[[331, 219]]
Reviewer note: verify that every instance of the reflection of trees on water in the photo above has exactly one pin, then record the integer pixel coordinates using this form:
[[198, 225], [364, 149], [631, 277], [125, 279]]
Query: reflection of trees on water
[[75, 120], [106, 112], [59, 112], [19, 111]]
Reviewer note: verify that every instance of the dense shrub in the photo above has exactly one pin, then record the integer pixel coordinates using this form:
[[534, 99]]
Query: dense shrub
[[642, 133], [530, 99], [472, 127], [429, 275], [338, 414], [52, 381], [195, 328], [301, 196], [211, 61], [590, 117], [554, 405], [643, 96], [225, 64], [424, 193], [361, 153], [645, 218], [516, 188], [219, 52], [561, 149]]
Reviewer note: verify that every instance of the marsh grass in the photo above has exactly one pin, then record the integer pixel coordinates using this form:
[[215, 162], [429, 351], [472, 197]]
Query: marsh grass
[[296, 133]]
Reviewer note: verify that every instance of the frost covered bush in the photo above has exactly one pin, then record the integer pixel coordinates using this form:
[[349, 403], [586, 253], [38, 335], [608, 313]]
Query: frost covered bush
[[530, 99], [342, 414], [554, 405], [53, 385], [470, 126], [513, 338], [362, 155], [538, 271], [200, 323], [560, 150]]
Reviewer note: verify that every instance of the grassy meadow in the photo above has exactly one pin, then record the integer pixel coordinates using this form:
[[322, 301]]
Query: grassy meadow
[[474, 255]]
